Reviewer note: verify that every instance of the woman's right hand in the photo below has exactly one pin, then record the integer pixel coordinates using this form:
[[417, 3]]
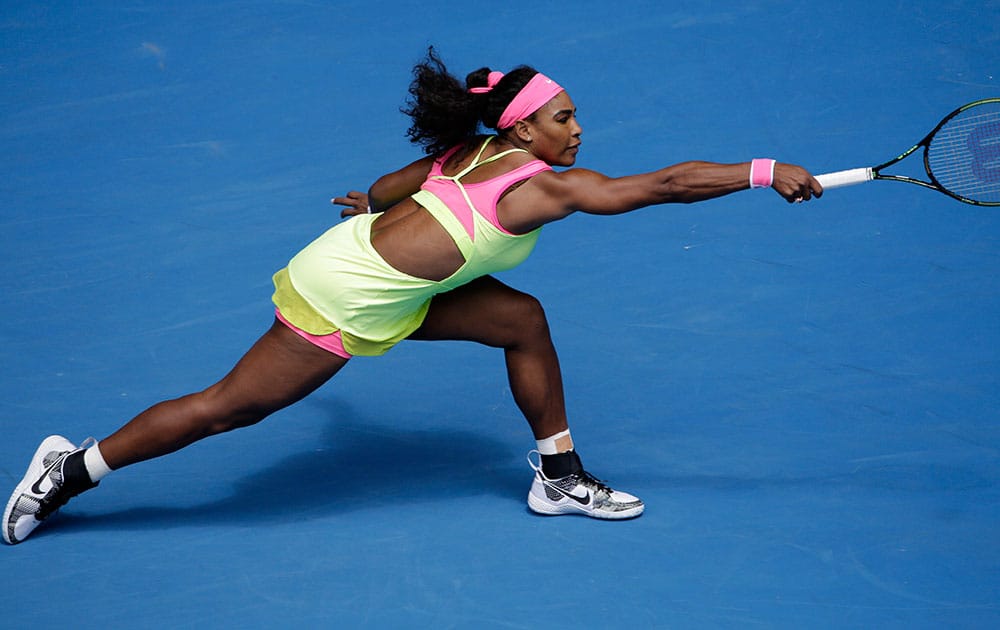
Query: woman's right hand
[[795, 184]]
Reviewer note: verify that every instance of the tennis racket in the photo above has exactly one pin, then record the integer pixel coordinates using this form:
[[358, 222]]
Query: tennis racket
[[961, 157]]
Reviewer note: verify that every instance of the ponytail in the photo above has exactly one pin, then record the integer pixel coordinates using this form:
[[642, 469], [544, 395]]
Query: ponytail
[[444, 113]]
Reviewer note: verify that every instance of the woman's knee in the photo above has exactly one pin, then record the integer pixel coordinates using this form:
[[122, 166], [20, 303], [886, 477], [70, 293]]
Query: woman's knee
[[524, 320], [219, 412]]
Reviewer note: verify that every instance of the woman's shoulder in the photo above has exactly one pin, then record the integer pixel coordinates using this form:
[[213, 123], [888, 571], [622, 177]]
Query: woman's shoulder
[[564, 181], [459, 152]]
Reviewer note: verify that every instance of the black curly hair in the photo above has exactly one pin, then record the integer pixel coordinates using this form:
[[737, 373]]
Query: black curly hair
[[445, 113]]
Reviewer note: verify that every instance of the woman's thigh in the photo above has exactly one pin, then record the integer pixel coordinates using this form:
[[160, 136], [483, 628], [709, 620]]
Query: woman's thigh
[[486, 311]]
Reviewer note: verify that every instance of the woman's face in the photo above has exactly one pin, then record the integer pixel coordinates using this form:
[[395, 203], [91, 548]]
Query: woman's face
[[555, 132]]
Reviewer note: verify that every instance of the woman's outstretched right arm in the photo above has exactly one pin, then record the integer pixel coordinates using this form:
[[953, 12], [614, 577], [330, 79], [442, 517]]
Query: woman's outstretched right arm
[[582, 190]]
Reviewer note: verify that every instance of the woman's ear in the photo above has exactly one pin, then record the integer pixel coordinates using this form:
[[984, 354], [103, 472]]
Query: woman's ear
[[523, 131]]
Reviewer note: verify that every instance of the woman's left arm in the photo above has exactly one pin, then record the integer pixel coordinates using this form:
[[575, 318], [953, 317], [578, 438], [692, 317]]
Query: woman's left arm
[[387, 190]]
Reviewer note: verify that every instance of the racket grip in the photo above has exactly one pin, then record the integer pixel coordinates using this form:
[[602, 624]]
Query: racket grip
[[846, 178]]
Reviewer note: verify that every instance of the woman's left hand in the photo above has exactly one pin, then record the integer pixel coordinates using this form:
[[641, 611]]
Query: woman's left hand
[[355, 202]]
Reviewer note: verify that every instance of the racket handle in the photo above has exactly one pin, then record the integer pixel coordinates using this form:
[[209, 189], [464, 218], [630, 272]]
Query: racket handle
[[846, 178]]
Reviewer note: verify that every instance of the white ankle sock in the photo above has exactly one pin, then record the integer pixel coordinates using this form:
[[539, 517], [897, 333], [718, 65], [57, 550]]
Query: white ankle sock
[[548, 446], [97, 468]]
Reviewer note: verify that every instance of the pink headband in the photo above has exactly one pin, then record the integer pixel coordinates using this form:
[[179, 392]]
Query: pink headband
[[538, 91]]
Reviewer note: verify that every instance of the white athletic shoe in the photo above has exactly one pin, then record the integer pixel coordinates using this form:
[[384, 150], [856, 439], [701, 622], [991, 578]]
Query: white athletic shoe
[[43, 490], [579, 493]]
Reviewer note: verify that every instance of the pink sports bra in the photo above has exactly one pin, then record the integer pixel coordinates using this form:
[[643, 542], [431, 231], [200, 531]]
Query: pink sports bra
[[480, 197]]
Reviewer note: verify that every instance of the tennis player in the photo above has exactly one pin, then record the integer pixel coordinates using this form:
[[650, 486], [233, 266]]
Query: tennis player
[[413, 261]]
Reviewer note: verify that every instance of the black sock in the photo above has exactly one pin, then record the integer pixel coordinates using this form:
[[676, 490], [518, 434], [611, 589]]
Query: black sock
[[76, 479], [561, 464]]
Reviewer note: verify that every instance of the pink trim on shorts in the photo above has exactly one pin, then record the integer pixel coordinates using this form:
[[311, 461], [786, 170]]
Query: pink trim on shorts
[[331, 343]]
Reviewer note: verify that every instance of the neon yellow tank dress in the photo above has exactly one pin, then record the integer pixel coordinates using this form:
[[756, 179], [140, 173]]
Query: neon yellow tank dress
[[340, 282]]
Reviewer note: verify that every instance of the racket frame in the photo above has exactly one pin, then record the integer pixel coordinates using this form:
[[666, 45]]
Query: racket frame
[[859, 175]]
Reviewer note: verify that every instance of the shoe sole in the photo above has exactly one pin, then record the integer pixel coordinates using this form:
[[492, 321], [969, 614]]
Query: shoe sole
[[545, 508], [35, 468]]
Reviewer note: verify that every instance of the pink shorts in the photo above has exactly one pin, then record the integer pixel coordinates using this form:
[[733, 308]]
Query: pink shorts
[[331, 343]]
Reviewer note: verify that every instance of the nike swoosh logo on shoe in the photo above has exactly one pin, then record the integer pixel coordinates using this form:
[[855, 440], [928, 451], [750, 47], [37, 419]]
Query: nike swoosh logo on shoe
[[36, 487], [584, 500]]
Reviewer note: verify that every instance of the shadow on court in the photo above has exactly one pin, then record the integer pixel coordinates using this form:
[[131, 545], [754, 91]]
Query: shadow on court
[[355, 465]]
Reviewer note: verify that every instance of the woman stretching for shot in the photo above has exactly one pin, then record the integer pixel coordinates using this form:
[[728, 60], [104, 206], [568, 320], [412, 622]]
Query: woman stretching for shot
[[414, 262]]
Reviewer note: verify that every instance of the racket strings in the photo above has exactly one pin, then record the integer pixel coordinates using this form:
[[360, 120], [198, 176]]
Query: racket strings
[[964, 154]]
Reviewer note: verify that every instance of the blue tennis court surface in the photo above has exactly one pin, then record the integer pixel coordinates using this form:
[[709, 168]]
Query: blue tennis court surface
[[805, 396]]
